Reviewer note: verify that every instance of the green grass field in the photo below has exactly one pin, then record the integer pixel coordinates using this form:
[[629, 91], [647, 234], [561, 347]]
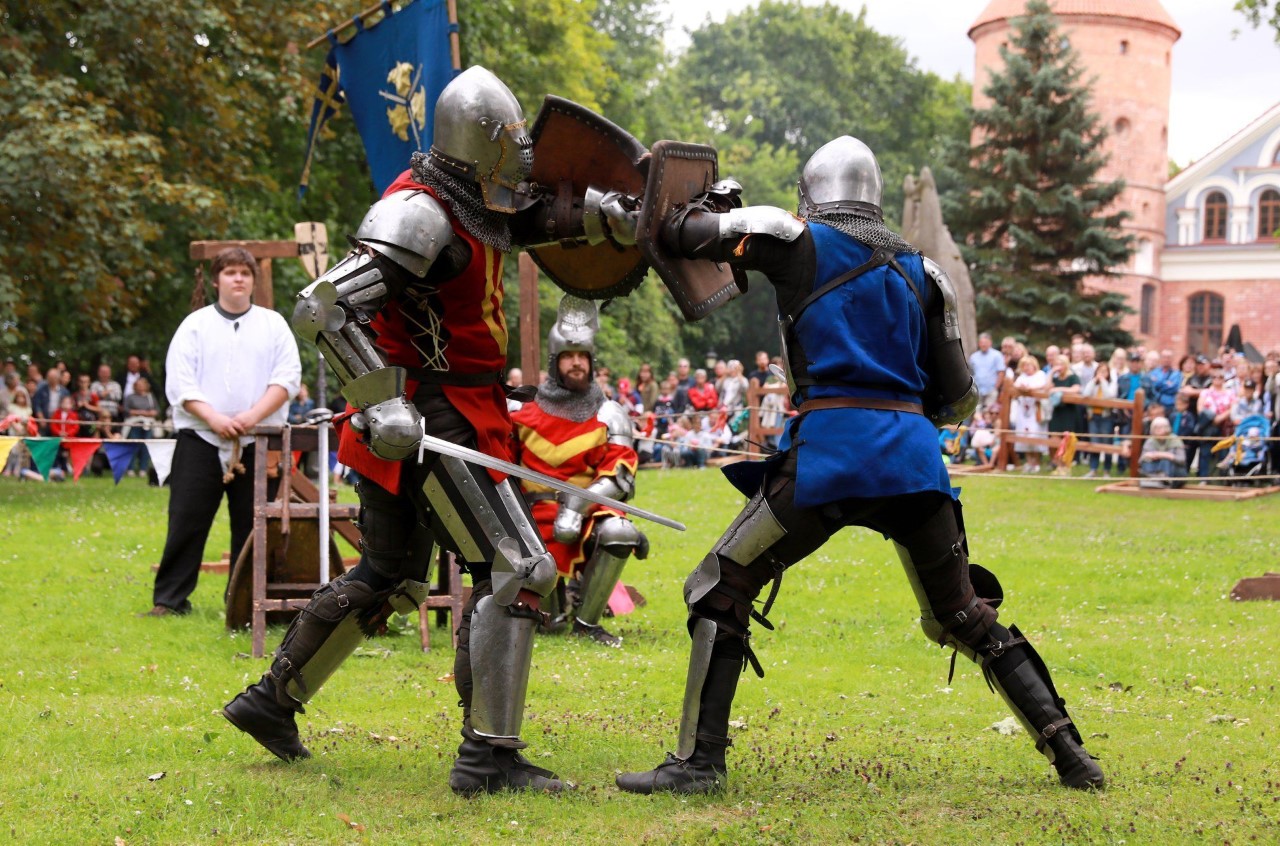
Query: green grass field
[[853, 736]]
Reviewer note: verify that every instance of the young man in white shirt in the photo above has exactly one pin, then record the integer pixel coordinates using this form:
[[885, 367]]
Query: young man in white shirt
[[230, 366]]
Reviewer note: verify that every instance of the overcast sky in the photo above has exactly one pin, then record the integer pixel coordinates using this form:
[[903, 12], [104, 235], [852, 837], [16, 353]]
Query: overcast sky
[[1225, 74]]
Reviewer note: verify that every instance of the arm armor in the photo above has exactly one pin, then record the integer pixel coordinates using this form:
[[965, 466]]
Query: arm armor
[[713, 235], [398, 240], [594, 218], [951, 396]]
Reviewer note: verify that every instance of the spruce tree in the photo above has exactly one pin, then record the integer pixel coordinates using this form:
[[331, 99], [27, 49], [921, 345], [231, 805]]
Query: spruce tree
[[1037, 226]]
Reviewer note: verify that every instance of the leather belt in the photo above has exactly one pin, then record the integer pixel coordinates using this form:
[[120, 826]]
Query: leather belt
[[861, 402], [423, 376], [539, 496]]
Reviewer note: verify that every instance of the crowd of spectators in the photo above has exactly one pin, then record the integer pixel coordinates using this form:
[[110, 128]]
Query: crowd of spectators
[[55, 402], [1190, 404]]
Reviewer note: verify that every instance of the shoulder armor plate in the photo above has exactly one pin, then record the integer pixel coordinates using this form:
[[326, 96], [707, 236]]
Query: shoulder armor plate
[[615, 419], [761, 220], [408, 227], [950, 307]]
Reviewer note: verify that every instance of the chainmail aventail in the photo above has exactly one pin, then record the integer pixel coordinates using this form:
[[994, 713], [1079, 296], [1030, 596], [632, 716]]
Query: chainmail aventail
[[465, 201]]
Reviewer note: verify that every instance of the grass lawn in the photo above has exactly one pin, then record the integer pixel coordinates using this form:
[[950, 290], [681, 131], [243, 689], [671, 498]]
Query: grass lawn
[[853, 736]]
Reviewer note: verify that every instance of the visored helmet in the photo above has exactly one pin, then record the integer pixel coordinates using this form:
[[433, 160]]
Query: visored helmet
[[574, 331], [480, 134], [842, 176]]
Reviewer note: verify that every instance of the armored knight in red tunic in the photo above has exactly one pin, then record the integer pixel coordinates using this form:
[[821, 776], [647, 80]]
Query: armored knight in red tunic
[[572, 432]]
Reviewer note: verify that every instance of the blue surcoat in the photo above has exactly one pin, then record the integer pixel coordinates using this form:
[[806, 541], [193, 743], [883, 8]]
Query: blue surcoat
[[866, 338]]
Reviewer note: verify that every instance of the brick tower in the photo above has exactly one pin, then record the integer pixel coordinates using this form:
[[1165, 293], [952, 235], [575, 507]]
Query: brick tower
[[1126, 47]]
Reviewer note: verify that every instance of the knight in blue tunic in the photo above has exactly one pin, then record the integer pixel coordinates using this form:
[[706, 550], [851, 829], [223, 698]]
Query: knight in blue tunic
[[872, 345]]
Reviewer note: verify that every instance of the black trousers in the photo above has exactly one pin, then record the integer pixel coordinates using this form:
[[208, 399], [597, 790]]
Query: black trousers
[[195, 492]]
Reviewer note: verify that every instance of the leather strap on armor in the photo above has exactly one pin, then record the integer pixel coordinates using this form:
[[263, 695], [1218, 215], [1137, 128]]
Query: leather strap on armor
[[861, 402]]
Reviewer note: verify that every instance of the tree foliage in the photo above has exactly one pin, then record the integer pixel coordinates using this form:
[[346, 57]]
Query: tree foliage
[[1261, 13], [1037, 226], [134, 127]]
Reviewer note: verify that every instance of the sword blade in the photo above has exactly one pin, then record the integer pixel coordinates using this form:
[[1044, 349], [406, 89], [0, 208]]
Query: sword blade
[[471, 456]]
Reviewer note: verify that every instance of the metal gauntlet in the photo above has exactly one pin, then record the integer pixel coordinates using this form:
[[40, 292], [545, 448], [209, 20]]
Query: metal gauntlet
[[573, 509], [952, 395]]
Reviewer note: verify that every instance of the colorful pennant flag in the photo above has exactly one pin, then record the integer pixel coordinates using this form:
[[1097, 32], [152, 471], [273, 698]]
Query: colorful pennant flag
[[120, 455], [161, 452], [81, 451], [44, 451], [7, 444]]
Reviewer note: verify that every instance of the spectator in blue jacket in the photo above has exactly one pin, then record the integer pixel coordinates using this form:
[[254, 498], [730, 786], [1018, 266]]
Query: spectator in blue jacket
[[1166, 380]]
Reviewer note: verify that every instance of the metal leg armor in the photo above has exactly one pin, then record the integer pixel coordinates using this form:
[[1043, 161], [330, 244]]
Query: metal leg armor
[[615, 540], [958, 602], [340, 615], [720, 593], [490, 527]]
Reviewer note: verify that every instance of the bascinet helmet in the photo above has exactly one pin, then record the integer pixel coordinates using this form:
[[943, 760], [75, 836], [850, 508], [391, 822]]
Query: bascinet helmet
[[574, 331], [842, 176], [480, 135]]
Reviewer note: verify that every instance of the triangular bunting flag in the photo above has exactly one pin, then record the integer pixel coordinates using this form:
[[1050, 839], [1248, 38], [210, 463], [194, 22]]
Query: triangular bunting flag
[[44, 451], [161, 452], [120, 455], [6, 446], [82, 450]]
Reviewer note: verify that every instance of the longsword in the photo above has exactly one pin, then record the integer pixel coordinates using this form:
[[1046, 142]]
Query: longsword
[[430, 443]]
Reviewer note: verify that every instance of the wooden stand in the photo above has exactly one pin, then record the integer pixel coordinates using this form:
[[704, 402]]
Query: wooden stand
[[278, 569], [1262, 587]]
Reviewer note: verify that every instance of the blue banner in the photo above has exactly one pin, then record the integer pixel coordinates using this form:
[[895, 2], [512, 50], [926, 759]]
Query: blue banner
[[327, 100], [120, 455], [391, 74]]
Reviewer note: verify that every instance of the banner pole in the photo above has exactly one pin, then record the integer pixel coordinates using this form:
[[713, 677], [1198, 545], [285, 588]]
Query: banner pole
[[455, 41]]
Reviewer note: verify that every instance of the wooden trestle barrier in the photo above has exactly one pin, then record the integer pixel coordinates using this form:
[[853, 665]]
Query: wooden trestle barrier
[[278, 570], [1132, 449]]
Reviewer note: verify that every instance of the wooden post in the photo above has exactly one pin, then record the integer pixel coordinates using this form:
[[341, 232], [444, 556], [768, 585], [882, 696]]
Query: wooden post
[[455, 43], [1135, 444], [263, 251], [1004, 455], [530, 332]]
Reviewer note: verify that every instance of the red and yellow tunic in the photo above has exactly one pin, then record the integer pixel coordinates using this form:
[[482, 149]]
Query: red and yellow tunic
[[465, 317], [578, 453]]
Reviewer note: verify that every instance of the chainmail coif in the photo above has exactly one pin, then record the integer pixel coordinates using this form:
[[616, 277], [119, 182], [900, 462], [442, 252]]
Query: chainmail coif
[[864, 230], [465, 201]]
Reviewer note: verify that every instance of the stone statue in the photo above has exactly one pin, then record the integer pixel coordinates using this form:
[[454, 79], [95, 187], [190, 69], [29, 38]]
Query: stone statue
[[923, 226]]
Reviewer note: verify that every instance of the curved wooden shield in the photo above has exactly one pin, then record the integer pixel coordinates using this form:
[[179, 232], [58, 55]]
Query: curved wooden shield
[[678, 172], [573, 148]]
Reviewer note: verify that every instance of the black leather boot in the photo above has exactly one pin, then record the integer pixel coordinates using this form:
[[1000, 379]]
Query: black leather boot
[[484, 768], [257, 713], [704, 771], [1024, 681]]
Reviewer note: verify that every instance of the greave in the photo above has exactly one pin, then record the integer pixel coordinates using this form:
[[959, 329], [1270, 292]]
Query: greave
[[599, 578], [501, 651], [698, 765], [340, 615]]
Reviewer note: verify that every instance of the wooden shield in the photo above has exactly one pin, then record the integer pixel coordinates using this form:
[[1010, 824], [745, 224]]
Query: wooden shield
[[678, 172], [573, 148]]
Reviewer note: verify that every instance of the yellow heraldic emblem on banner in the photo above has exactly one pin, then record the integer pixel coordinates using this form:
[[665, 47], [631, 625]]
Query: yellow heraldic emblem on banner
[[409, 114]]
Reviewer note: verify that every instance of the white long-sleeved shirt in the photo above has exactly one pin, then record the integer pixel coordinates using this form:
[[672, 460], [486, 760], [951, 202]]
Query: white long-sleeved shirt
[[229, 362]]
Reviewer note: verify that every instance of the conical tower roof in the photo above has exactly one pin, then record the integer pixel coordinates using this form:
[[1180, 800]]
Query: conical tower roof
[[1145, 11]]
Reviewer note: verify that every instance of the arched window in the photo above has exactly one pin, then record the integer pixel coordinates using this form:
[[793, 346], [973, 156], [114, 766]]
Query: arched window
[[1124, 47], [1122, 127], [1204, 323], [1215, 217], [1268, 214], [1148, 308]]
